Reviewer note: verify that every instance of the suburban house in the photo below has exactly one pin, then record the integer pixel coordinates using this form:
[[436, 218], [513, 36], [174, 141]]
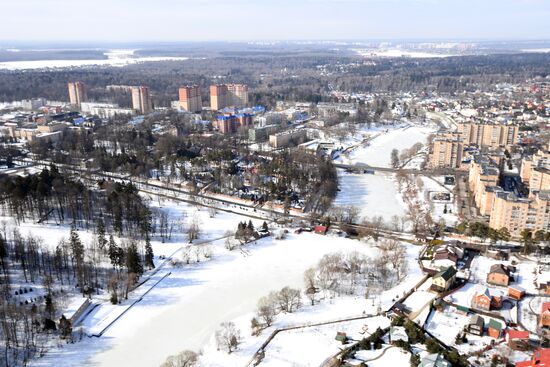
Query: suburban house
[[443, 280], [541, 357], [434, 360], [516, 292], [484, 300], [544, 319], [446, 256], [476, 325], [518, 339], [499, 275], [494, 329]]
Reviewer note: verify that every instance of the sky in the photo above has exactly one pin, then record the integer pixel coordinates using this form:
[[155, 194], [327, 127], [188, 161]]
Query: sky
[[243, 20]]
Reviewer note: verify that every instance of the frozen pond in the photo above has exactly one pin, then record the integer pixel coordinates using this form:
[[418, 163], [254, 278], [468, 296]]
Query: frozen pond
[[372, 194]]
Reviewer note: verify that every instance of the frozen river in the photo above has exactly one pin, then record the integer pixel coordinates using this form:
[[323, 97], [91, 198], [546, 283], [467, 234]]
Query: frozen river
[[372, 194], [378, 152]]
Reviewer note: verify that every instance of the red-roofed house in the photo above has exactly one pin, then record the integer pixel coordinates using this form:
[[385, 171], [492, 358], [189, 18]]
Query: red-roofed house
[[517, 339], [541, 357]]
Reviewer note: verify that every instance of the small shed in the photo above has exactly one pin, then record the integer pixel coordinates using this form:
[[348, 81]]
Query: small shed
[[516, 292], [320, 230]]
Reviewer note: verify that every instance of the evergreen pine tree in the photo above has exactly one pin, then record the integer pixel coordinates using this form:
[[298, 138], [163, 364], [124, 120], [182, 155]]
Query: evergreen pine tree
[[133, 262], [149, 256], [101, 240]]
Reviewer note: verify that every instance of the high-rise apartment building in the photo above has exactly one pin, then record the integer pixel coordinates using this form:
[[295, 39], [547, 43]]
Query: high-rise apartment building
[[488, 135], [446, 151], [225, 95], [190, 98], [77, 93], [141, 100]]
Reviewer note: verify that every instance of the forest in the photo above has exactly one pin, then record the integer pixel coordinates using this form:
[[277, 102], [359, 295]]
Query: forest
[[281, 76]]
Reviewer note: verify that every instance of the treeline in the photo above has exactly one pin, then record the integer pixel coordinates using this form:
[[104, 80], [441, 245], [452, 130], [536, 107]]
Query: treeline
[[54, 196], [283, 77]]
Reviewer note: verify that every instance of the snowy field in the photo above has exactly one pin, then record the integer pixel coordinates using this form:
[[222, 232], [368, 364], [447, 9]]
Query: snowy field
[[187, 307], [311, 346], [378, 152], [372, 194], [114, 58]]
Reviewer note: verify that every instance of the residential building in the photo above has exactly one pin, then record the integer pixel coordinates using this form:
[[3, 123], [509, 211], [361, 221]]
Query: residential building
[[476, 325], [285, 138], [488, 135], [261, 133], [225, 95], [495, 328], [499, 275], [444, 280], [141, 99], [229, 124], [190, 98], [33, 104], [446, 152], [484, 300], [77, 93], [517, 339], [541, 358]]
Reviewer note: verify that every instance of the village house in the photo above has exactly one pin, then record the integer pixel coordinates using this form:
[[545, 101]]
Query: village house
[[446, 256], [443, 280], [398, 333], [484, 300], [499, 275], [541, 357], [494, 329], [476, 325], [544, 319], [517, 339]]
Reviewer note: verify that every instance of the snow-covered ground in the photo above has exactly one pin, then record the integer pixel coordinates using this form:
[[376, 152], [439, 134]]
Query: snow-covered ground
[[311, 346], [114, 58], [372, 194], [378, 152]]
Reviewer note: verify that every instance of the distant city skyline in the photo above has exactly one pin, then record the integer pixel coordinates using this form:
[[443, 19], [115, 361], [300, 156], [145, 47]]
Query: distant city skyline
[[243, 20]]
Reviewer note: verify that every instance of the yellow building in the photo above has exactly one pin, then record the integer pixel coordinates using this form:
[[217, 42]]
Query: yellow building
[[488, 135], [447, 150]]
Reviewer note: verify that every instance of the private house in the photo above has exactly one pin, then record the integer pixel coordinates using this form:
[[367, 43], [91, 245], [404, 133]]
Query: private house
[[494, 329], [541, 357], [484, 300], [443, 280], [516, 292], [499, 275], [476, 325], [446, 256], [518, 339], [434, 360], [544, 319]]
